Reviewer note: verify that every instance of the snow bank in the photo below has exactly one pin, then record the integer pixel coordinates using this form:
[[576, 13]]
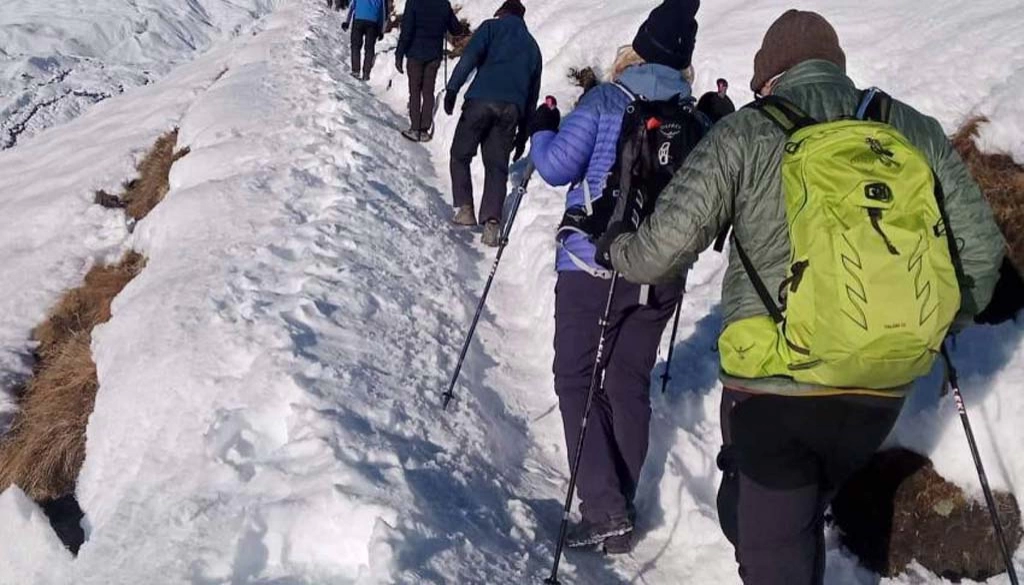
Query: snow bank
[[59, 57], [32, 551], [305, 298]]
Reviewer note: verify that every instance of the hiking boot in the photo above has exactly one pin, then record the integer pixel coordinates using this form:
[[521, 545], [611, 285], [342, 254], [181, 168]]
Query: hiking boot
[[589, 532], [621, 544], [426, 135], [465, 216], [356, 75], [411, 134], [492, 232], [366, 76]]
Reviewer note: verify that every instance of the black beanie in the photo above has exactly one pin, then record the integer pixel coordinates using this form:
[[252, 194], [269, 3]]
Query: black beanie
[[669, 33], [512, 7]]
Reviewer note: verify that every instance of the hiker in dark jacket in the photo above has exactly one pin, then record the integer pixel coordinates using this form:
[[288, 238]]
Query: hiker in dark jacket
[[421, 41], [496, 112], [790, 443], [715, 104], [366, 18], [581, 153]]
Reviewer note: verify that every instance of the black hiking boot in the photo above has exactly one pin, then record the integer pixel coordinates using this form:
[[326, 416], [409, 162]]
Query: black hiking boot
[[465, 216], [492, 233], [356, 75], [620, 545], [588, 532]]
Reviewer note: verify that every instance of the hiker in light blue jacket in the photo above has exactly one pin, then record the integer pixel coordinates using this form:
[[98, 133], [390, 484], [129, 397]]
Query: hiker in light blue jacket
[[367, 19]]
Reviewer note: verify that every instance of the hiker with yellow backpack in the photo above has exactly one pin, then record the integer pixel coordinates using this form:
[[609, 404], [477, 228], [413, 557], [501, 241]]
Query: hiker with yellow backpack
[[858, 242]]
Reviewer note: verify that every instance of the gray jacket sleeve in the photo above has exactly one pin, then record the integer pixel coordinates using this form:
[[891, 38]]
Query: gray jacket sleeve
[[978, 237], [688, 215]]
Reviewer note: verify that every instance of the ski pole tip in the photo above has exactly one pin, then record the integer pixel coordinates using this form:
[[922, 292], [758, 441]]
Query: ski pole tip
[[445, 399]]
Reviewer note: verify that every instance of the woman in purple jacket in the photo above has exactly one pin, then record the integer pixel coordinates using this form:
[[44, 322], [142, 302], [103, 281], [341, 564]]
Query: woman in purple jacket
[[580, 153]]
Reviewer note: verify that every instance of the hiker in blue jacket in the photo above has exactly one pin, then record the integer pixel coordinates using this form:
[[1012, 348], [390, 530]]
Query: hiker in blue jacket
[[581, 153], [424, 25], [496, 113], [367, 19]]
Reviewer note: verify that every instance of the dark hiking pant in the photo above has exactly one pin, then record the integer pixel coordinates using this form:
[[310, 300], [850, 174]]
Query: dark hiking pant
[[422, 78], [783, 459], [364, 35], [491, 127], [615, 446]]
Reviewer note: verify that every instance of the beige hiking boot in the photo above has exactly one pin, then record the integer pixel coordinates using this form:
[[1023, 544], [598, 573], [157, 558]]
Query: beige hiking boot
[[492, 233], [465, 216]]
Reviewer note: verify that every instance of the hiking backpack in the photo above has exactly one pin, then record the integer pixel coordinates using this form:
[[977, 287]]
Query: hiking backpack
[[872, 286], [655, 138]]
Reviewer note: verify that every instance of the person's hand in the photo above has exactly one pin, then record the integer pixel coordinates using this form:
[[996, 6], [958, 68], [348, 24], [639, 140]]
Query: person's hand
[[449, 101], [380, 36], [603, 246], [344, 26], [547, 117], [398, 65], [520, 145]]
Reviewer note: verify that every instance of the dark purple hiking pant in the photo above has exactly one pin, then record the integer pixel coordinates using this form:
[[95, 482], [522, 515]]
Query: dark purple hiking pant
[[783, 459], [616, 443]]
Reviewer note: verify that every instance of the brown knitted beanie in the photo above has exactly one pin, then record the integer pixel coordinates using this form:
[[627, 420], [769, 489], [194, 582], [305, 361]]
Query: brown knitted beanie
[[794, 37]]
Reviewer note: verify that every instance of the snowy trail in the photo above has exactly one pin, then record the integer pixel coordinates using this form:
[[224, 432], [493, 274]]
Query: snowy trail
[[301, 311]]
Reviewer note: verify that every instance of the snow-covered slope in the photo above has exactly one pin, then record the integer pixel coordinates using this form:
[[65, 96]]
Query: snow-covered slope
[[58, 57], [268, 408]]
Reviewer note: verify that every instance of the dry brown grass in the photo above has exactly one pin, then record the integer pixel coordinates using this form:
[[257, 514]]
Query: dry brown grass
[[583, 77], [1002, 181], [144, 192], [458, 42], [45, 447]]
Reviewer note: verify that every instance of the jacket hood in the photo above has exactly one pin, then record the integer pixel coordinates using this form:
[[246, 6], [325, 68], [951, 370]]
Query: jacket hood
[[655, 82]]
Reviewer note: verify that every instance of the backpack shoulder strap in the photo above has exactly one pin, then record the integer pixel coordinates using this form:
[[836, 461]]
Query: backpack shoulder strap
[[784, 113], [875, 105]]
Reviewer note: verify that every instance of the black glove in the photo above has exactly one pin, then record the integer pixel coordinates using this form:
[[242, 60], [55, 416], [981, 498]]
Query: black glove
[[449, 101], [344, 25], [398, 65], [1007, 298], [545, 118], [380, 36], [603, 252], [520, 144]]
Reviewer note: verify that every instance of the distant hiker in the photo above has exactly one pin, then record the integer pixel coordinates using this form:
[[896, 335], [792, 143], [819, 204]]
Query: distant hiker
[[849, 262], [496, 112], [366, 18], [424, 24], [583, 153], [715, 104]]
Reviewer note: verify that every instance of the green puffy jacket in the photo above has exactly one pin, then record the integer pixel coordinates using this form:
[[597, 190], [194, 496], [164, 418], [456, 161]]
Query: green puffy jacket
[[733, 176]]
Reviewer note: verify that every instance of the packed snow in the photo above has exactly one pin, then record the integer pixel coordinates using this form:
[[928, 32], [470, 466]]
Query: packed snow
[[268, 408], [59, 57]]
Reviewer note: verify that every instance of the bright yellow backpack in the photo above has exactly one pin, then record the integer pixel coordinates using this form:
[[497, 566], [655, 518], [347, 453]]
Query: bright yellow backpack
[[871, 289]]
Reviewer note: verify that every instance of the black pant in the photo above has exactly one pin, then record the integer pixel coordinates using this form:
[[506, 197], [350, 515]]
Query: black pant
[[490, 126], [364, 32], [783, 459], [422, 78], [617, 432]]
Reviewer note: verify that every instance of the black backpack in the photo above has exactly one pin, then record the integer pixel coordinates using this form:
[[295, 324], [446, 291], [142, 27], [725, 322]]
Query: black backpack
[[655, 138]]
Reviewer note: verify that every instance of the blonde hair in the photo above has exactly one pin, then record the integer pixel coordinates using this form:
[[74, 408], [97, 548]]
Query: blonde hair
[[626, 56]]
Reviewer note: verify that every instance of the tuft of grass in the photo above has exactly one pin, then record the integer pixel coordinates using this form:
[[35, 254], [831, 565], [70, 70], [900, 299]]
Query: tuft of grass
[[44, 449], [149, 188], [460, 41], [1001, 180], [584, 78]]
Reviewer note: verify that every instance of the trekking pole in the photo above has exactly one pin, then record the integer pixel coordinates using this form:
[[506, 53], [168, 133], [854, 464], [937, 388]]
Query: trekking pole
[[596, 377], [519, 193], [954, 385], [665, 376]]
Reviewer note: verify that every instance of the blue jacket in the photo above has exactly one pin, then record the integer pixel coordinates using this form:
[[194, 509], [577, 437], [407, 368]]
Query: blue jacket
[[424, 24], [584, 146], [370, 10], [507, 62]]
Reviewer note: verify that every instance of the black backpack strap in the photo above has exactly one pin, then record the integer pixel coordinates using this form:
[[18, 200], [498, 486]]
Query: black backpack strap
[[784, 113], [874, 105], [722, 237], [755, 279]]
